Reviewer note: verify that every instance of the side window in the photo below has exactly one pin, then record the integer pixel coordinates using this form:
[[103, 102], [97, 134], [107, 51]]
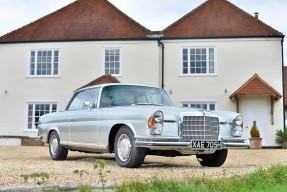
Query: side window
[[89, 95]]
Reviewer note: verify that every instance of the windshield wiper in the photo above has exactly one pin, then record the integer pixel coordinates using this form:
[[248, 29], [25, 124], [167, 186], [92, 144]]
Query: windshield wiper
[[156, 104]]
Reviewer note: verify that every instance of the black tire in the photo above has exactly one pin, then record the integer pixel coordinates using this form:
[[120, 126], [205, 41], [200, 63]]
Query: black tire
[[127, 155], [213, 160], [57, 151]]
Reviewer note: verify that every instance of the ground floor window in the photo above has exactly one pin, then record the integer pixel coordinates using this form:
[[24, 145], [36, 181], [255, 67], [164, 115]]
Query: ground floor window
[[210, 106], [35, 111]]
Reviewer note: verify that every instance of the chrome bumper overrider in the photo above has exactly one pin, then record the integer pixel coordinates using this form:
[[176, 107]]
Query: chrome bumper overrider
[[234, 142]]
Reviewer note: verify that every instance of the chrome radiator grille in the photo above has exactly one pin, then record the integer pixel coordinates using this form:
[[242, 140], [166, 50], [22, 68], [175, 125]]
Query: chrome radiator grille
[[200, 128]]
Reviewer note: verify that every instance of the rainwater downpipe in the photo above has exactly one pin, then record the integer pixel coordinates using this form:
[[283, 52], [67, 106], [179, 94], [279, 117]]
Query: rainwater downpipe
[[162, 62], [283, 83]]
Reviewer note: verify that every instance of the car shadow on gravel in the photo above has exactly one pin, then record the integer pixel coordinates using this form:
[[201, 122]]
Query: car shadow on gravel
[[111, 161]]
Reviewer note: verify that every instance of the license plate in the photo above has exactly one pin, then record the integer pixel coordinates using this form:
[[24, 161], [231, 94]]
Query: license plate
[[205, 144]]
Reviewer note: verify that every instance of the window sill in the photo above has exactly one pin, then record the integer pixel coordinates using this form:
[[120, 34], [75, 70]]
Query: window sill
[[43, 76], [198, 75], [30, 130]]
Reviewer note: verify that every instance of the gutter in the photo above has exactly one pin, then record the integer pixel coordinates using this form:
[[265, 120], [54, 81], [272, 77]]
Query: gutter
[[158, 37]]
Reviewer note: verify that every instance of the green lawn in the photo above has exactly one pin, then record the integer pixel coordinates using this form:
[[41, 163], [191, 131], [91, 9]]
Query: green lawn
[[263, 180]]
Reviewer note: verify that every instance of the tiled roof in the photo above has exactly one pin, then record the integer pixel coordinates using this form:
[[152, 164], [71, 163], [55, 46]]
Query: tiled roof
[[101, 80], [256, 86], [218, 18], [101, 20], [80, 20]]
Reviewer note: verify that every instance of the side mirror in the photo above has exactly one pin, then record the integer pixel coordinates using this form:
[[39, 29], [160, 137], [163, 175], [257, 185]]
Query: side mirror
[[87, 105]]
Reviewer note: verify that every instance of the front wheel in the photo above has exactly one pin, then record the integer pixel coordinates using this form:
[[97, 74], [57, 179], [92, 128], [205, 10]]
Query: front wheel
[[57, 151], [127, 155], [213, 160]]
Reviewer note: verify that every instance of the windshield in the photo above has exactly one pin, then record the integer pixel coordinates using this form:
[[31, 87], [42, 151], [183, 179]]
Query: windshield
[[125, 95]]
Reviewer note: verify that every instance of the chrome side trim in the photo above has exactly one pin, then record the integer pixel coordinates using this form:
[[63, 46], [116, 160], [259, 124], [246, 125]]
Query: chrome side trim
[[85, 145]]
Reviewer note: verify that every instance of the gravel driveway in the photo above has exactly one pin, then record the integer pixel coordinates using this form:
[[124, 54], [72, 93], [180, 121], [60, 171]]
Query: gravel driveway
[[15, 161]]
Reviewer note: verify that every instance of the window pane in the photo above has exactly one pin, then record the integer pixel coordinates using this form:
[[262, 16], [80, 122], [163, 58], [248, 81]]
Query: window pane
[[185, 65], [184, 57], [184, 51], [212, 107], [184, 70]]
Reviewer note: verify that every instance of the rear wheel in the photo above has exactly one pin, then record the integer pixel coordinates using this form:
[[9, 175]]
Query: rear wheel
[[57, 151], [127, 155], [213, 160]]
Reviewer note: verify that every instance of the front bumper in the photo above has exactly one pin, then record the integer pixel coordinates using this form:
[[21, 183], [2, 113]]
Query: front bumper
[[234, 142], [174, 143]]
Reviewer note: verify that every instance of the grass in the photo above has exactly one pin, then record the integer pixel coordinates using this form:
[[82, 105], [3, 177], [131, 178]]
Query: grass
[[263, 180]]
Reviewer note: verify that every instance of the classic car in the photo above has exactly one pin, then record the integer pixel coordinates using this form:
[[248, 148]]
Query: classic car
[[133, 121]]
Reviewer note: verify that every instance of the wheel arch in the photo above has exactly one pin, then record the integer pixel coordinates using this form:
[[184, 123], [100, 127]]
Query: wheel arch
[[49, 133], [113, 132]]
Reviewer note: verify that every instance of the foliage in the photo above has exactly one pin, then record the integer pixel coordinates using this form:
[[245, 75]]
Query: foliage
[[85, 188], [38, 178], [102, 171], [254, 132], [281, 136], [80, 172], [272, 179]]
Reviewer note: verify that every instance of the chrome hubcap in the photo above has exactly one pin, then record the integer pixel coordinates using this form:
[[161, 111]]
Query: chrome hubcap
[[54, 145], [124, 147]]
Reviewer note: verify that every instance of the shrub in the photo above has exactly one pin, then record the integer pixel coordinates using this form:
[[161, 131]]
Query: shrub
[[254, 132], [281, 136]]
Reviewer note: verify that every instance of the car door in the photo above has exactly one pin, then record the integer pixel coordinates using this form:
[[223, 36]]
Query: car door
[[84, 117]]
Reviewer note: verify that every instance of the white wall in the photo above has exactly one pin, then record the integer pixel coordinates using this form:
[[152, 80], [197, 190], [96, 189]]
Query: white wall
[[80, 63], [237, 60]]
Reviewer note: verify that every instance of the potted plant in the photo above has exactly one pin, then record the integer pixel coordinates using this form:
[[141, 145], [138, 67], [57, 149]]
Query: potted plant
[[255, 140], [281, 138]]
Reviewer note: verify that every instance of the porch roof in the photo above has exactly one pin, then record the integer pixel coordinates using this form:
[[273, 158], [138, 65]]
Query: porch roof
[[255, 86]]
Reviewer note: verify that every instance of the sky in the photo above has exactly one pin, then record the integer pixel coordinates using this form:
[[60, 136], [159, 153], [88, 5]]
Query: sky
[[152, 14]]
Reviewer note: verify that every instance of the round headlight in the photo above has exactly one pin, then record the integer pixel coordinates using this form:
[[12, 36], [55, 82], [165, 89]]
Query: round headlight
[[158, 116], [155, 123], [238, 120]]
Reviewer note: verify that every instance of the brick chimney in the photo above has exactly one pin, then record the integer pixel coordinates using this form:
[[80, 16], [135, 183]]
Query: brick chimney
[[256, 15]]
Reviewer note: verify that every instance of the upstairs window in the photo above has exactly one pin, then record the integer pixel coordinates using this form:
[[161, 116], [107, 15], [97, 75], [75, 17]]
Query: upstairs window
[[198, 61], [112, 61], [44, 63]]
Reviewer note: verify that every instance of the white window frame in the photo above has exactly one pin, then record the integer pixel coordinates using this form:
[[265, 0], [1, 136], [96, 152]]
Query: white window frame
[[104, 61], [208, 103], [208, 72], [33, 116], [53, 63]]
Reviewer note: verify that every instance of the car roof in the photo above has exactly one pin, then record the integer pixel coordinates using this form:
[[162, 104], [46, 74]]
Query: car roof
[[114, 84]]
